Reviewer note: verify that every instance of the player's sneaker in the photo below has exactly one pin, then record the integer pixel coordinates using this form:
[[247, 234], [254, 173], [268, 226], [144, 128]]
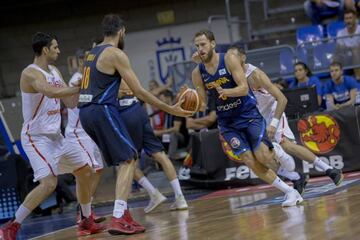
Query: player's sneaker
[[335, 175], [119, 226], [9, 230], [286, 161], [138, 228], [184, 173], [179, 204], [97, 219], [155, 200], [300, 184], [87, 226], [292, 198]]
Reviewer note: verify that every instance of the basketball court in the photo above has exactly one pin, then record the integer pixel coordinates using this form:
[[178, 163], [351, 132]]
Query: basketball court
[[328, 212]]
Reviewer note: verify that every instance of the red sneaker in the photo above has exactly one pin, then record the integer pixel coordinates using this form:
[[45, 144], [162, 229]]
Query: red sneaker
[[97, 219], [87, 226], [136, 225], [9, 230], [119, 226]]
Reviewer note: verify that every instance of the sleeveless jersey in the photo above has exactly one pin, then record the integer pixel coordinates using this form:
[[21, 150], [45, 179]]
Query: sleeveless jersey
[[98, 87], [266, 102], [42, 114], [73, 113], [229, 109]]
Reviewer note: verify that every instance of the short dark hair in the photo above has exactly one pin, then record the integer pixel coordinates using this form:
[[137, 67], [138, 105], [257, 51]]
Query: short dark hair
[[208, 34], [111, 24], [41, 40], [239, 48], [334, 64], [352, 11]]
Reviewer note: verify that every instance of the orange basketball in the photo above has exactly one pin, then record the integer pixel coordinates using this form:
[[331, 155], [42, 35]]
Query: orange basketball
[[191, 100]]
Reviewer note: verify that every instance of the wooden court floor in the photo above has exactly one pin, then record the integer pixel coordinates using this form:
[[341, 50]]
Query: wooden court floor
[[328, 212]]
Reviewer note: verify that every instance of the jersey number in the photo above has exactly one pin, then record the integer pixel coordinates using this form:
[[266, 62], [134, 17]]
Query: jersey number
[[86, 78]]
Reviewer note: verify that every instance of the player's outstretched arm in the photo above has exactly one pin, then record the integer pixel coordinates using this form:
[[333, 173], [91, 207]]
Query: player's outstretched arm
[[69, 101], [122, 65], [199, 86], [32, 81]]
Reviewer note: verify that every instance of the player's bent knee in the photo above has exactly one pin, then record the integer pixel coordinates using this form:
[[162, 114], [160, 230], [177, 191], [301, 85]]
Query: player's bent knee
[[49, 185]]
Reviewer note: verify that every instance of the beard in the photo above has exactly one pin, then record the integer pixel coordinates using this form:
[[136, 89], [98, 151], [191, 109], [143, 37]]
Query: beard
[[209, 56], [121, 43]]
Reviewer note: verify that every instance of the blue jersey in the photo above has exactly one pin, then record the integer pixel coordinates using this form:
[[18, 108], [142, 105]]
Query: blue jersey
[[98, 87], [341, 91], [229, 109]]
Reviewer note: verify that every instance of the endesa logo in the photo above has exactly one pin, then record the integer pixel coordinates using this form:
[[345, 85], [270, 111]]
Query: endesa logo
[[319, 133]]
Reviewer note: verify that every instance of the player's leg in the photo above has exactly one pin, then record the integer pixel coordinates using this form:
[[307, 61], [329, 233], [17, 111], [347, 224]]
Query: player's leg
[[44, 165], [74, 159], [156, 198], [152, 146], [305, 154], [118, 150]]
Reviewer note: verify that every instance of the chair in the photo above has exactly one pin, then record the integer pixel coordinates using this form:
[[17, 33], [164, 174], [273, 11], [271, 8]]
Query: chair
[[334, 27], [309, 34]]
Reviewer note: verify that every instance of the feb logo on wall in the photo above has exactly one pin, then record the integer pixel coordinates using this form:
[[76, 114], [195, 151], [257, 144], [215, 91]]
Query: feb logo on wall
[[319, 133], [169, 52]]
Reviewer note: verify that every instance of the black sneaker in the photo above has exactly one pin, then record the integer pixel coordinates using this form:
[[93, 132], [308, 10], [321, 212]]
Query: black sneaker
[[300, 184], [335, 175]]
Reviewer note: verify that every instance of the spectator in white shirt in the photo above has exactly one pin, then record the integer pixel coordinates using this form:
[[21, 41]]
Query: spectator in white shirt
[[348, 44]]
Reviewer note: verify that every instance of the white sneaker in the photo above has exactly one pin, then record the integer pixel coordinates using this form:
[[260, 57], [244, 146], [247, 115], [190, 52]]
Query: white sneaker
[[292, 198], [179, 204], [184, 173], [155, 200], [285, 160]]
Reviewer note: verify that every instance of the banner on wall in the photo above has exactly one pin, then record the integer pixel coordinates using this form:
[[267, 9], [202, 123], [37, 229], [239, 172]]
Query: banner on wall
[[332, 136]]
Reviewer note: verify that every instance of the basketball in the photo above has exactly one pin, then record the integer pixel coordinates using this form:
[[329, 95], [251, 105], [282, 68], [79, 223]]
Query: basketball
[[191, 100]]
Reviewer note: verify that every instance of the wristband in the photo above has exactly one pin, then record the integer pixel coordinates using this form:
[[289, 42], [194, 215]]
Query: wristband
[[275, 122]]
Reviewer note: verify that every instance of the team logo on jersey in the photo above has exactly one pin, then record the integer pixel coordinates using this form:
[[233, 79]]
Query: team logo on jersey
[[319, 133], [228, 151], [170, 52], [222, 71], [235, 142]]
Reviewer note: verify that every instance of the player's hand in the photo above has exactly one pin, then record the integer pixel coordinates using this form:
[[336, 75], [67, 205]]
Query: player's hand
[[76, 83], [221, 91], [337, 106], [178, 111], [271, 130], [196, 58]]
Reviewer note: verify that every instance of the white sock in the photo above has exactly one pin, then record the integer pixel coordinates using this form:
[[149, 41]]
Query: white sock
[[144, 182], [21, 214], [86, 209], [279, 184], [119, 207], [176, 187], [320, 164], [289, 175], [91, 200]]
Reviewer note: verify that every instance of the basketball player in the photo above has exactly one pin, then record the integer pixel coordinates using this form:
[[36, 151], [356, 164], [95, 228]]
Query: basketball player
[[287, 163], [138, 125], [239, 120], [42, 88], [270, 106], [105, 65], [78, 142]]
